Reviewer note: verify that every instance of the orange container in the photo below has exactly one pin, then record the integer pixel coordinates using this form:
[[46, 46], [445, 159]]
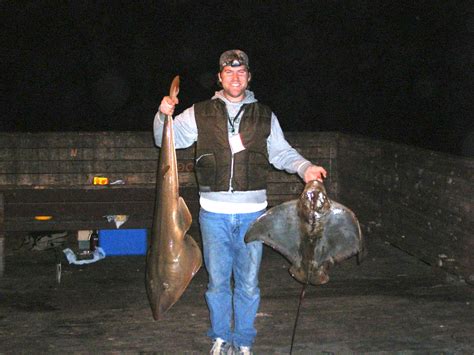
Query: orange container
[[100, 180]]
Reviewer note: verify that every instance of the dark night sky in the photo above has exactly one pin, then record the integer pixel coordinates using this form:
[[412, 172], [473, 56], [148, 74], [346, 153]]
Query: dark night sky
[[397, 70]]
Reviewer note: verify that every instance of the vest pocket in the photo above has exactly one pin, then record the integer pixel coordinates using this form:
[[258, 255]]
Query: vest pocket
[[258, 168], [205, 167]]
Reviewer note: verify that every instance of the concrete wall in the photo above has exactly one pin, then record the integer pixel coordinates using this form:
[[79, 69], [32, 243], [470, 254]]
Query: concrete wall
[[419, 200]]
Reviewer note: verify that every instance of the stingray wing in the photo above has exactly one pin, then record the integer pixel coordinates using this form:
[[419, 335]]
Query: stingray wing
[[341, 238], [279, 228]]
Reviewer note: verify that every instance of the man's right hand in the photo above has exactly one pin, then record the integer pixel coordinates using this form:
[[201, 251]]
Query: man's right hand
[[168, 104]]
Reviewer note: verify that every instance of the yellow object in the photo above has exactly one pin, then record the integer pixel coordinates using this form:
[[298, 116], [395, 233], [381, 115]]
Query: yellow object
[[43, 218], [100, 180]]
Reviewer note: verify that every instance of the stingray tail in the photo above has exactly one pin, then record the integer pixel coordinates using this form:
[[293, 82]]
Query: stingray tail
[[303, 291]]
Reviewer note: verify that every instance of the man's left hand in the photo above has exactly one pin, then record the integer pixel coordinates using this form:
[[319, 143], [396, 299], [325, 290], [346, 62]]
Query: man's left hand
[[314, 172]]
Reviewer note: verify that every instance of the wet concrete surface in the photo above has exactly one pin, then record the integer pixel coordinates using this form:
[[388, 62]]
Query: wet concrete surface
[[391, 303]]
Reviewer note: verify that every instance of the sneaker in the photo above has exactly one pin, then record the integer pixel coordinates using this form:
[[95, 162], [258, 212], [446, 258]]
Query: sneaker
[[221, 347], [244, 350]]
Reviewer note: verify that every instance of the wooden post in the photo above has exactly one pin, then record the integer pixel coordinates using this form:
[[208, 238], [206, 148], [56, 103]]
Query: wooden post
[[2, 235]]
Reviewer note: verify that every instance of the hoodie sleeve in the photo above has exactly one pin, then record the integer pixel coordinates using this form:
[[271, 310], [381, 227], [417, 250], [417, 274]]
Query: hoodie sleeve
[[281, 154], [184, 127]]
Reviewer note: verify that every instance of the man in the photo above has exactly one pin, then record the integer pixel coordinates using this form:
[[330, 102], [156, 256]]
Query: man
[[236, 138]]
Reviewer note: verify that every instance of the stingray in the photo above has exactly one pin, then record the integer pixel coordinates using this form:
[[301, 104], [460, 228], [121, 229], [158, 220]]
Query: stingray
[[312, 232]]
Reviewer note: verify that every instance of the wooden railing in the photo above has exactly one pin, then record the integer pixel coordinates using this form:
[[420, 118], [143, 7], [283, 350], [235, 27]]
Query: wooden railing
[[419, 200]]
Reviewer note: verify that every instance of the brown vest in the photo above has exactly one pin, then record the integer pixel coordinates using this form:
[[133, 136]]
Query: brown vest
[[214, 157]]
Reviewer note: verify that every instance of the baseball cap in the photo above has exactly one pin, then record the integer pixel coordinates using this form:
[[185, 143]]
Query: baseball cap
[[234, 58]]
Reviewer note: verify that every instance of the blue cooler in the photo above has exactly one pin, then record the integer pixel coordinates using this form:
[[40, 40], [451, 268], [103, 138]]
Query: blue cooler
[[123, 241]]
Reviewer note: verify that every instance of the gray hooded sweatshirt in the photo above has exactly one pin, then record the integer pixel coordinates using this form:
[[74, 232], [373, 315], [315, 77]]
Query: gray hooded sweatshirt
[[281, 155]]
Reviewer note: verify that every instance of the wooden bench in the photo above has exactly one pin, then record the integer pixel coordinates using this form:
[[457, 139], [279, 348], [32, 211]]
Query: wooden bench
[[51, 174]]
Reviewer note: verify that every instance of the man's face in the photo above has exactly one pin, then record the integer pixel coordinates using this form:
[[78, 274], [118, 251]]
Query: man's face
[[234, 81]]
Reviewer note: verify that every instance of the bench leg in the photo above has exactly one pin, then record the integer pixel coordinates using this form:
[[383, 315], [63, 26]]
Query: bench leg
[[2, 235]]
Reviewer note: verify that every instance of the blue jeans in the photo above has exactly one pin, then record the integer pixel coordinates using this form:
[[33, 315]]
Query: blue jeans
[[226, 254]]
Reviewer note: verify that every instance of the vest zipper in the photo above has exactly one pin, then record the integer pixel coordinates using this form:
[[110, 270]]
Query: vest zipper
[[232, 125], [231, 189]]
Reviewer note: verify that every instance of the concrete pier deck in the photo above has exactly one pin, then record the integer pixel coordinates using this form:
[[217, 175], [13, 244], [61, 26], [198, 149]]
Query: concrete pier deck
[[391, 303]]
